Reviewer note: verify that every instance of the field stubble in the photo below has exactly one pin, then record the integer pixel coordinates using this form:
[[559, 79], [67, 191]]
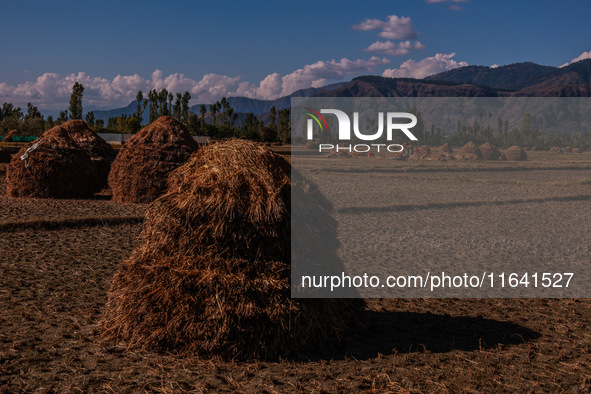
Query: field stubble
[[53, 287]]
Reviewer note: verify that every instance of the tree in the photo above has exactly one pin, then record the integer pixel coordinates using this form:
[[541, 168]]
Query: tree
[[141, 105], [273, 118], [63, 117], [90, 119], [185, 107], [76, 101], [176, 108], [153, 98], [284, 130]]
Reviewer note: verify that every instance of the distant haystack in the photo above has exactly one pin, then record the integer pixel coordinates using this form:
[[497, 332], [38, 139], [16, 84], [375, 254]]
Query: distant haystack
[[567, 149], [515, 153], [577, 150], [311, 145], [139, 173], [469, 152], [490, 152], [212, 276], [101, 153], [446, 148], [53, 166]]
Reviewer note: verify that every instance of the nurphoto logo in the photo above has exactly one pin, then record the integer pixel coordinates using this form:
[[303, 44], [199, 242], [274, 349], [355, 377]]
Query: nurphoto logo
[[392, 120]]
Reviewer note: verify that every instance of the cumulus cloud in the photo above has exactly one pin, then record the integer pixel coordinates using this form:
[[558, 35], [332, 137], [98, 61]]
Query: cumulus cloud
[[391, 48], [394, 28], [455, 7], [51, 91], [427, 66], [582, 56], [495, 66], [312, 75]]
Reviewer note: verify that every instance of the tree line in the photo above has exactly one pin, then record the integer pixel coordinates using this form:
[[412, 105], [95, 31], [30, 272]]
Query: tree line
[[218, 120]]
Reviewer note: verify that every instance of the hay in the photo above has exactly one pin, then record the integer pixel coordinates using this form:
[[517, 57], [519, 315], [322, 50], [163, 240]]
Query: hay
[[9, 136], [212, 276], [139, 173], [516, 153], [446, 148], [311, 145], [576, 150], [489, 152], [56, 168], [100, 152], [469, 152], [5, 155]]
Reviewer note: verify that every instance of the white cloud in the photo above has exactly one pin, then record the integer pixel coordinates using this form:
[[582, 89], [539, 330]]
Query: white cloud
[[391, 48], [51, 91], [582, 56], [495, 66], [394, 28], [427, 66]]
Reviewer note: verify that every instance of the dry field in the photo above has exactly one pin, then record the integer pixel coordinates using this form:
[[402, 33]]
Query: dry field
[[57, 259]]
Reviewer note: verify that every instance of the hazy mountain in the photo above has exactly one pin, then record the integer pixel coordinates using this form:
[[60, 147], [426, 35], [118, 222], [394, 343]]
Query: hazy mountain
[[258, 107]]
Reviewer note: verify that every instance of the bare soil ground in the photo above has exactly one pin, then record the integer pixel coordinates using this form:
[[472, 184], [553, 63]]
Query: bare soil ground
[[54, 278]]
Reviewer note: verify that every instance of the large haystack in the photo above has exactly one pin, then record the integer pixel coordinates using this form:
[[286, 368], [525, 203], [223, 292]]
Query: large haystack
[[516, 153], [212, 276], [5, 155], [469, 152], [490, 152], [54, 166], [139, 173], [101, 152]]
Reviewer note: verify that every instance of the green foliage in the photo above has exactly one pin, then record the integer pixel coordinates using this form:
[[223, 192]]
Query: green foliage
[[76, 101]]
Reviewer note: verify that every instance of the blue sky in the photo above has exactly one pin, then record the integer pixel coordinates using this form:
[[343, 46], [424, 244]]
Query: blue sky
[[265, 49]]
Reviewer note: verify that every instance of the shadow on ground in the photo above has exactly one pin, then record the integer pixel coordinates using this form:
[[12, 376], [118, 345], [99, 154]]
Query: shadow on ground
[[410, 332]]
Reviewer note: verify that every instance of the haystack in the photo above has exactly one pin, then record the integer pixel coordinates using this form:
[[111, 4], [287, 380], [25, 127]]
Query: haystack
[[311, 145], [489, 152], [576, 150], [139, 173], [469, 152], [567, 149], [9, 136], [516, 153], [5, 155], [212, 276], [446, 148], [54, 166], [101, 152]]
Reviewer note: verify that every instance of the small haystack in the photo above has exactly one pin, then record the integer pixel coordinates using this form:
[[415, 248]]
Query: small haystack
[[446, 148], [516, 153], [212, 276], [5, 155], [567, 149], [576, 150], [9, 136], [139, 173], [490, 152], [469, 152], [53, 166], [311, 145], [101, 152]]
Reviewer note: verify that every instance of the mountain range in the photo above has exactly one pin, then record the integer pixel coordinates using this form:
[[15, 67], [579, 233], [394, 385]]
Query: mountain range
[[513, 80]]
